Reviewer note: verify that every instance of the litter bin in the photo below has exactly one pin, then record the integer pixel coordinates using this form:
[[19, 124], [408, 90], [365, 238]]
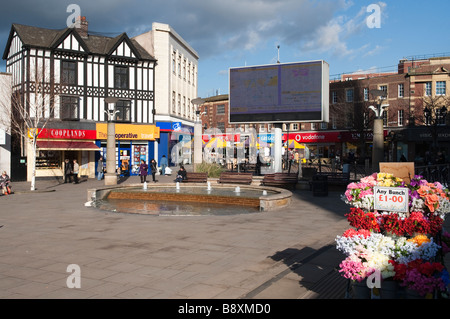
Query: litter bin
[[320, 185]]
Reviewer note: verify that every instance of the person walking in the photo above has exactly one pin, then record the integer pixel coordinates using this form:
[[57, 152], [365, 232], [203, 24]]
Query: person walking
[[143, 171], [100, 169], [164, 163], [154, 169], [67, 171], [75, 170]]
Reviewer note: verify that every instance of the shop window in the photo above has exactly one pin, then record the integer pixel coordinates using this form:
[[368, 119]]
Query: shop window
[[69, 107], [124, 111], [48, 159]]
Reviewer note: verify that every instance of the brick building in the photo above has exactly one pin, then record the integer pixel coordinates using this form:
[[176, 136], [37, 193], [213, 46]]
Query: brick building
[[416, 86]]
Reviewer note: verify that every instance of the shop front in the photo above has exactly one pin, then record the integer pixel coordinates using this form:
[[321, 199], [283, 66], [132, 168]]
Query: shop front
[[173, 143], [134, 142], [54, 145]]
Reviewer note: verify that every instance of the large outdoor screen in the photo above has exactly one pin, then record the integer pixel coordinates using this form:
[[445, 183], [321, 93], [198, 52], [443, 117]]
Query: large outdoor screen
[[280, 93]]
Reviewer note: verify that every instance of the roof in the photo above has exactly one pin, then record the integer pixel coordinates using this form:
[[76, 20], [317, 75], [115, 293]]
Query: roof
[[95, 44]]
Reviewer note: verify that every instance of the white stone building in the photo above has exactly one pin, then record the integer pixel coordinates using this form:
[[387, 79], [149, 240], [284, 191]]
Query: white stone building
[[176, 75], [5, 123]]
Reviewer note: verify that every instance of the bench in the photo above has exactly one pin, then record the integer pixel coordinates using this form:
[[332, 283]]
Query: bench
[[284, 180], [235, 178], [333, 178], [196, 177]]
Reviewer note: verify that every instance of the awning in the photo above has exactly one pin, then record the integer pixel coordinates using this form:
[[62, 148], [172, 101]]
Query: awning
[[66, 146]]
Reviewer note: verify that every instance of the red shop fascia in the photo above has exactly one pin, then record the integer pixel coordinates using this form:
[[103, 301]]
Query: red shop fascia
[[330, 137]]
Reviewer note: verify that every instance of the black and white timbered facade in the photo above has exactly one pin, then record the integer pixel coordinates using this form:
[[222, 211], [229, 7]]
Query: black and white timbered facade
[[73, 72], [78, 72]]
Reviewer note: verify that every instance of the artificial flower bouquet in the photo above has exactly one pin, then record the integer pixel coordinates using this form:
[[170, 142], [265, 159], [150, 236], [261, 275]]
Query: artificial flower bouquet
[[400, 246]]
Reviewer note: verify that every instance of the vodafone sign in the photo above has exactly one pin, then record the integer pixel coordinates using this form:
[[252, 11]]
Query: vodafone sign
[[329, 137], [315, 137]]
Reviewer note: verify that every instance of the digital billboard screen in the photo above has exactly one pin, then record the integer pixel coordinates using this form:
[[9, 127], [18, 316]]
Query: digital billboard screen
[[283, 92]]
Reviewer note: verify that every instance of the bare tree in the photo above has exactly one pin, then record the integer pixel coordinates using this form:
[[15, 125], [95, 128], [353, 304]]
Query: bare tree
[[29, 113], [435, 109]]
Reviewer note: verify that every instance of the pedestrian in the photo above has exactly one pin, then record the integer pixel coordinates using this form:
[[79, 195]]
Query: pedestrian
[[164, 163], [5, 183], [100, 169], [67, 171], [75, 170], [153, 169], [143, 171], [181, 175]]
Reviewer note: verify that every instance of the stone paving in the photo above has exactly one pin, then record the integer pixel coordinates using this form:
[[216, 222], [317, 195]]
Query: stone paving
[[285, 254]]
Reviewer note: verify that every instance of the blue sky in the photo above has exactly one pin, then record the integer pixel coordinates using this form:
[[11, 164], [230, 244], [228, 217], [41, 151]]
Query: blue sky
[[237, 33]]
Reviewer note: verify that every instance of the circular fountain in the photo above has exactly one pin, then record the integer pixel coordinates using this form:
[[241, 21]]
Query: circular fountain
[[188, 199]]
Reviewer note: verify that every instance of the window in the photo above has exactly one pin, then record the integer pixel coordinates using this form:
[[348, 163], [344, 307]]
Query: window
[[69, 73], [174, 69], [349, 95], [428, 89], [121, 77], [69, 107], [313, 126], [295, 126], [385, 118], [124, 111], [440, 118], [221, 126], [385, 90], [440, 88], [366, 94], [220, 109], [333, 97], [173, 102], [333, 123], [323, 125], [400, 118], [401, 90]]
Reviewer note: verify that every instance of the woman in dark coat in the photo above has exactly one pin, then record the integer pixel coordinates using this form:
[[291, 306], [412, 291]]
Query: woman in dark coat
[[143, 171], [154, 169]]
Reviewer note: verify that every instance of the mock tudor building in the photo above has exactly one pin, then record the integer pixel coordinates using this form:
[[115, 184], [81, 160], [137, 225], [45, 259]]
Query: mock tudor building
[[73, 72]]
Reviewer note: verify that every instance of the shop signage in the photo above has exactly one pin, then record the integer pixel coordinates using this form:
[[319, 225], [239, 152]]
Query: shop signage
[[329, 137], [314, 137], [394, 199], [65, 134], [129, 132]]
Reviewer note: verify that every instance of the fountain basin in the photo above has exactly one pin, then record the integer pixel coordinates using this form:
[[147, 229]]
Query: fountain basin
[[223, 197]]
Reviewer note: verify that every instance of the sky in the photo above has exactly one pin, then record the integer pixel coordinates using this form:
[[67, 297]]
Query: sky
[[351, 36]]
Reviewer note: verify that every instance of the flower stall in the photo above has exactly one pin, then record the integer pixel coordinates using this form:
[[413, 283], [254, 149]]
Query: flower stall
[[396, 245]]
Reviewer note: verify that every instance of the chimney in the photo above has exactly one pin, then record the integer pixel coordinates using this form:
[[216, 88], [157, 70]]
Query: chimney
[[81, 25]]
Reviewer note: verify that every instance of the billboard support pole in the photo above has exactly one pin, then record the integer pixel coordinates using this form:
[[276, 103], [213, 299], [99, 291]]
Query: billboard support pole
[[278, 145]]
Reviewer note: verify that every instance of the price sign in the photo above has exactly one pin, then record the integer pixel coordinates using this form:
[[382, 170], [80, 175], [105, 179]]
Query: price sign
[[394, 199]]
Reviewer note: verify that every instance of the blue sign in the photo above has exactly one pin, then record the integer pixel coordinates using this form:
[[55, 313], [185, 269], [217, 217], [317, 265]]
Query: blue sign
[[268, 138]]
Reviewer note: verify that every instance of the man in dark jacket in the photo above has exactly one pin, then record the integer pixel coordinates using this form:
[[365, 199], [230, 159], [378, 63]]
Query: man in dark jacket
[[67, 171]]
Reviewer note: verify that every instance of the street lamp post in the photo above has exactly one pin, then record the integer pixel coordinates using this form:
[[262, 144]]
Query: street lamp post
[[111, 176], [378, 136], [197, 133]]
